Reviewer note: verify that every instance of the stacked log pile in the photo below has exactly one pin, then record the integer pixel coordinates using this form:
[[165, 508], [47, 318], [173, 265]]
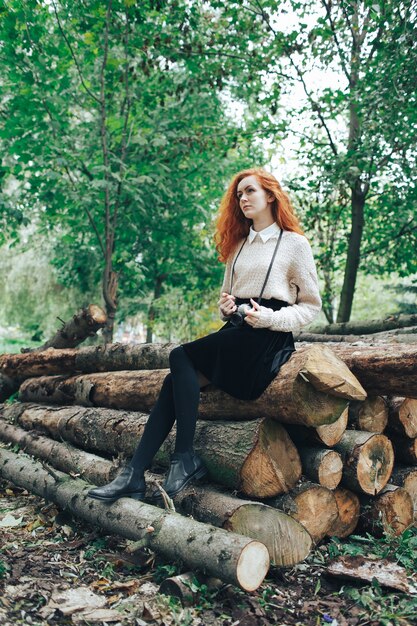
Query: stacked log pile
[[311, 457]]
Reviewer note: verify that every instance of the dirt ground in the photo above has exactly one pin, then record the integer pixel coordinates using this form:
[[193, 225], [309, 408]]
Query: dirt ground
[[56, 570]]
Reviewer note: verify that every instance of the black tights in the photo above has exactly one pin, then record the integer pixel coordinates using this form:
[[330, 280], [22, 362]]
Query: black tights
[[178, 400]]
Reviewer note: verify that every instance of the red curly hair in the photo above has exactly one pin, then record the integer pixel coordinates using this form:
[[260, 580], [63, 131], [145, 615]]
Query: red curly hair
[[232, 225]]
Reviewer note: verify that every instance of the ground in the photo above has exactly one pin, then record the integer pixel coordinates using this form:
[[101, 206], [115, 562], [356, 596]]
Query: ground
[[57, 570]]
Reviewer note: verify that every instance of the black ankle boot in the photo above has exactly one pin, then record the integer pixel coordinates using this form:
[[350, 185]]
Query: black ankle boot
[[185, 467], [129, 484]]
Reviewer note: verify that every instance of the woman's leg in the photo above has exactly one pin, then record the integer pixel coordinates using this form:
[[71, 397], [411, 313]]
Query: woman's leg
[[185, 464], [131, 481]]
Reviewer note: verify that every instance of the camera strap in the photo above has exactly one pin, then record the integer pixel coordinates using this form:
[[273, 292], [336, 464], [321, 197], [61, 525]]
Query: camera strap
[[269, 268]]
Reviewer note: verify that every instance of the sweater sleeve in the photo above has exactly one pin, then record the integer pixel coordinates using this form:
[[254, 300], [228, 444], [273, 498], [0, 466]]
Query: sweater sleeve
[[226, 286], [308, 303]]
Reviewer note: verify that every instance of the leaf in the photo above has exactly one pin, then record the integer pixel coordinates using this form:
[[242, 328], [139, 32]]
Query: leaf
[[9, 521]]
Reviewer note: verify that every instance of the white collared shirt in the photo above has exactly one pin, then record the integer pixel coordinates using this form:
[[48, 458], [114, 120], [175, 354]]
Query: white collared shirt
[[270, 231]]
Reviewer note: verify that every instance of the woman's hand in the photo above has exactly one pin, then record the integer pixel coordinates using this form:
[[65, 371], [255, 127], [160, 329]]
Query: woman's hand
[[227, 304], [253, 314]]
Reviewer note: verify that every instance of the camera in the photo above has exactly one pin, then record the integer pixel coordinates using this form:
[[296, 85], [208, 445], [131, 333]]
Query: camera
[[238, 317]]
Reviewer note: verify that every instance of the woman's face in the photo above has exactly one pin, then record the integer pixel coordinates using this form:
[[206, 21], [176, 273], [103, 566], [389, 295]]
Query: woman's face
[[255, 203]]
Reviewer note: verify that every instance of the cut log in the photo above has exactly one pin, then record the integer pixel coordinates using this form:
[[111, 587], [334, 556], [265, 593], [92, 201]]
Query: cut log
[[348, 508], [405, 335], [327, 434], [402, 417], [301, 393], [370, 415], [287, 541], [367, 327], [405, 449], [88, 359], [312, 505], [385, 369], [256, 457], [229, 556], [406, 477], [187, 587], [368, 460], [82, 325], [322, 466], [391, 511], [315, 364]]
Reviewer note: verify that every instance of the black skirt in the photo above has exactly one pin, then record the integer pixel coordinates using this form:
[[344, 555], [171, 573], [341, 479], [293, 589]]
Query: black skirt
[[242, 360]]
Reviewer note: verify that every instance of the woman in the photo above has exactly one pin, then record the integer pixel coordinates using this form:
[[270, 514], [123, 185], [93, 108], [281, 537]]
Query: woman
[[256, 222]]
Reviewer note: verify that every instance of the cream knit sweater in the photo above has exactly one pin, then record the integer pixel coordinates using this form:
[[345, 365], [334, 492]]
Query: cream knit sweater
[[293, 278]]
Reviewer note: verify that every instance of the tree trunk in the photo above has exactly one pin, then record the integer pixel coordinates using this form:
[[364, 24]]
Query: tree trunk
[[257, 457], [348, 507], [321, 466], [406, 335], [229, 556], [287, 541], [327, 434], [391, 511], [367, 327], [402, 416], [111, 357], [370, 415], [82, 325], [353, 254], [384, 369], [312, 505], [368, 460]]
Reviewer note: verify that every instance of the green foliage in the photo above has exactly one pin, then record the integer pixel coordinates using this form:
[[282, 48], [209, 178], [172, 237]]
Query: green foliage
[[3, 569]]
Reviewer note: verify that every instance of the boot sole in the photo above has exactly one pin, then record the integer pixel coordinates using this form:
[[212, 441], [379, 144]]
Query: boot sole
[[139, 495], [199, 474]]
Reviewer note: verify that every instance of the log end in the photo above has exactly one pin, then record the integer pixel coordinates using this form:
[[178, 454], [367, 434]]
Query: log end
[[331, 470], [331, 434], [348, 507], [273, 466], [287, 540], [96, 314], [329, 374], [375, 464], [252, 565]]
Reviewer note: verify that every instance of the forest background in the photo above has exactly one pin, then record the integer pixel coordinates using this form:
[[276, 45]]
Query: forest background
[[122, 122]]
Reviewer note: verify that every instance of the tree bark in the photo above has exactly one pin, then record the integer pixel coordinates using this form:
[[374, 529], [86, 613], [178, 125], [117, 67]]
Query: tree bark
[[383, 370], [111, 357], [312, 505], [229, 556], [370, 415], [402, 416], [391, 511], [322, 466], [368, 460], [348, 509], [257, 457], [287, 541]]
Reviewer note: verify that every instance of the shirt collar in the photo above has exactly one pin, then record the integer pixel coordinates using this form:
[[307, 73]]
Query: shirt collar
[[265, 234]]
